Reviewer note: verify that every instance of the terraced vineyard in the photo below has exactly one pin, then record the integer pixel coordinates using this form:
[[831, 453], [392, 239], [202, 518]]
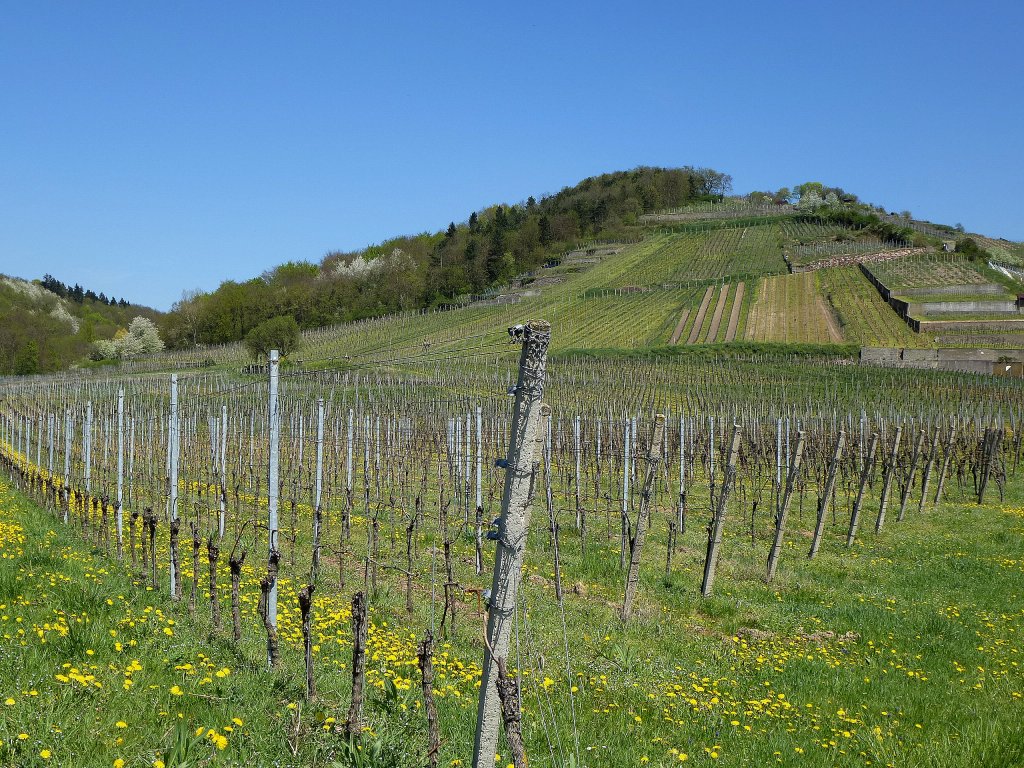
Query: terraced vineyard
[[789, 308], [865, 317], [928, 272]]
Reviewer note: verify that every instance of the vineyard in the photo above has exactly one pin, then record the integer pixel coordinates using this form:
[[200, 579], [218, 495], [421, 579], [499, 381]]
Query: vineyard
[[296, 568], [789, 308], [864, 316], [689, 257], [928, 272]]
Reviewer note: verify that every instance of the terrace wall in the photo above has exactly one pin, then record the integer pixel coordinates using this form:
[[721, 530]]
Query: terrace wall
[[967, 307], [986, 361], [977, 289]]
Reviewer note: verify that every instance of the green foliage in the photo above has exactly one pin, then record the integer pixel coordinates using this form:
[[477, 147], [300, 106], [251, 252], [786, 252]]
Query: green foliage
[[434, 269], [970, 248], [280, 333], [61, 329], [26, 362]]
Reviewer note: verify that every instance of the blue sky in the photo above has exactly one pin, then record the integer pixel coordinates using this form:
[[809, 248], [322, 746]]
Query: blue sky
[[150, 148]]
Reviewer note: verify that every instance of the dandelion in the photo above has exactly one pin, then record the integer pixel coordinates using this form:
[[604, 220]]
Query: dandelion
[[119, 763]]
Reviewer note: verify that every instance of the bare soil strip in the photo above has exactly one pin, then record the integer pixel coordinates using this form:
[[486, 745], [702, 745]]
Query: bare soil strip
[[699, 321], [679, 328], [716, 319], [835, 334], [734, 318]]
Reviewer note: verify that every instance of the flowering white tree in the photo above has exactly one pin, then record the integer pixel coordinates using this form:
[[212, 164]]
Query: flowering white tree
[[141, 338]]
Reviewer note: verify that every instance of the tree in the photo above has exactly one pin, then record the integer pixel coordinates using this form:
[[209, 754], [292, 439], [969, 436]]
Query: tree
[[145, 334], [280, 333], [26, 362]]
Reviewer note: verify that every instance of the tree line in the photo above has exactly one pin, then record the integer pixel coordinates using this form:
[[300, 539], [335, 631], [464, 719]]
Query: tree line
[[474, 257]]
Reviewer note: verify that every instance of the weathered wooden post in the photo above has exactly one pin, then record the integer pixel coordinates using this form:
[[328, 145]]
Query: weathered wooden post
[[636, 545], [945, 465], [890, 468], [512, 530], [718, 519], [914, 458], [273, 470], [926, 479], [787, 499], [826, 496], [314, 568], [865, 474]]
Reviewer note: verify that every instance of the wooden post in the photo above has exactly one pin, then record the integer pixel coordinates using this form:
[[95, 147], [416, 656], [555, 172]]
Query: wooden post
[[306, 611], [890, 468], [637, 543], [718, 519], [865, 475], [354, 724], [172, 483], [945, 465], [513, 525], [914, 458], [787, 499], [926, 480], [424, 657], [314, 568], [826, 496]]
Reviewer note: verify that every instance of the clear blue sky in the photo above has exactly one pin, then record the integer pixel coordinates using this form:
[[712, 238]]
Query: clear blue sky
[[148, 148]]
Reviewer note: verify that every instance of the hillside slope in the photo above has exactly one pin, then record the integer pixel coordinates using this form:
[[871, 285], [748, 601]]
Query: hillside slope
[[41, 332]]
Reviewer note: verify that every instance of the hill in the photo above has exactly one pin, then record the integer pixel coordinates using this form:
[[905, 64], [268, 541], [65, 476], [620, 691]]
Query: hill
[[641, 259], [42, 331], [466, 260]]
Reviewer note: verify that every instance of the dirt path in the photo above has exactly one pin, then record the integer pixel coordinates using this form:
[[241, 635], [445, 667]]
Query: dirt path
[[734, 318], [716, 319], [699, 321], [679, 328], [835, 333]]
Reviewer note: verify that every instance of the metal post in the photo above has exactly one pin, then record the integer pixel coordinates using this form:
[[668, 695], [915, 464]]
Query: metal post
[[272, 484], [172, 475], [87, 444], [69, 426], [120, 470], [318, 490], [223, 470]]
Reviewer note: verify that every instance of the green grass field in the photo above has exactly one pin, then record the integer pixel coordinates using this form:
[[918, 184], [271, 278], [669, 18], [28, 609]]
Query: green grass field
[[903, 651]]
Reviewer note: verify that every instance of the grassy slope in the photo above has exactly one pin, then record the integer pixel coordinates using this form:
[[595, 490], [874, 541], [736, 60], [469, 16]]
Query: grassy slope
[[904, 651]]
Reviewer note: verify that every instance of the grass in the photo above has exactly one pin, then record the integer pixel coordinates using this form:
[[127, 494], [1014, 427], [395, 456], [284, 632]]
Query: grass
[[903, 651]]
